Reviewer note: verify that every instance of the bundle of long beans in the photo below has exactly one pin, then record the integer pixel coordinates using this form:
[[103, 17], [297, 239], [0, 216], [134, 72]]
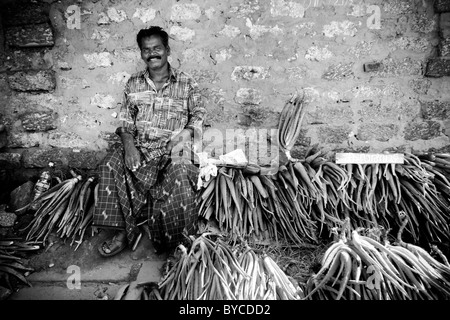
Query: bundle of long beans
[[374, 194], [65, 208], [257, 206], [359, 267], [212, 270], [11, 264], [289, 124]]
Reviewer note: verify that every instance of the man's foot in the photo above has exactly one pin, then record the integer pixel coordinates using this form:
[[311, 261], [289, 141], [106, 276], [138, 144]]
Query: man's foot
[[114, 245]]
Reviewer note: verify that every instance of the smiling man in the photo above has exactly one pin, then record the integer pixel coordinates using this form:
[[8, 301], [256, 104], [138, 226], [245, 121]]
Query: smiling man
[[161, 112]]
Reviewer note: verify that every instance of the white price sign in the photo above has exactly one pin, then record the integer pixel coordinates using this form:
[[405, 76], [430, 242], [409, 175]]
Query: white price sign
[[367, 158]]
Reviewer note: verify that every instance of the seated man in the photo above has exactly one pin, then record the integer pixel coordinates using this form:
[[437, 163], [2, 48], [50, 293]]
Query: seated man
[[161, 111]]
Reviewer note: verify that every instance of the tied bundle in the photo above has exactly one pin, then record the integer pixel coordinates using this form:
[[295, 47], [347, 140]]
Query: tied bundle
[[13, 265], [289, 125], [249, 205], [66, 208], [211, 270], [359, 267], [374, 194]]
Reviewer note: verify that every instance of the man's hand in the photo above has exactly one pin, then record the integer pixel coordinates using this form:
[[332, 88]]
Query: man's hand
[[132, 155], [175, 146]]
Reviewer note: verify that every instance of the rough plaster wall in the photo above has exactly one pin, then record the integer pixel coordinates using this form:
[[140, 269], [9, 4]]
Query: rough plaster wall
[[362, 65]]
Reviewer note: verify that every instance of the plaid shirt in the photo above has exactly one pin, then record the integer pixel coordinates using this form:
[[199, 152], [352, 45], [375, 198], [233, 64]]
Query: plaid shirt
[[154, 118]]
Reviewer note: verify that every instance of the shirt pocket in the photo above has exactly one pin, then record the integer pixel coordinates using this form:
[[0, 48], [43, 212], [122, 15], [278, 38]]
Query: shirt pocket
[[174, 114], [143, 102]]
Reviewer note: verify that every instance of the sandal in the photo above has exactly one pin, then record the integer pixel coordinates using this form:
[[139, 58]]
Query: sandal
[[115, 243]]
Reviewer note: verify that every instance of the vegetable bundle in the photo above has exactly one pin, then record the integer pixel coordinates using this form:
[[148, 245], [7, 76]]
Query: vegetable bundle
[[289, 124], [211, 270], [374, 194], [358, 267], [316, 190], [66, 208], [12, 265], [258, 206]]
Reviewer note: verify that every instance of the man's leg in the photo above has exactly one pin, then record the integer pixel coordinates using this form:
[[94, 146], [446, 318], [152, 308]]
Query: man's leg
[[120, 197], [174, 211]]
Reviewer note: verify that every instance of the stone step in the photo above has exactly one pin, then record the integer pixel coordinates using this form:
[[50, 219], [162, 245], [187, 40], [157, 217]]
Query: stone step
[[60, 291]]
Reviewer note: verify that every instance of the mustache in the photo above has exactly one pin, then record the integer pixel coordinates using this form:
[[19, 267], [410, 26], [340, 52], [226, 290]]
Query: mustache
[[151, 57]]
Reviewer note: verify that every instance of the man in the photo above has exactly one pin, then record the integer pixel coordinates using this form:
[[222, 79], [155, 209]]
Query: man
[[161, 112]]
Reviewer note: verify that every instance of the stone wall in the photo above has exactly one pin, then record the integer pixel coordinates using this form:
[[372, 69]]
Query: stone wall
[[375, 73]]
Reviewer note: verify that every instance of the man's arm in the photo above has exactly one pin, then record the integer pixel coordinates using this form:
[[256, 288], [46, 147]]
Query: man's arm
[[196, 116], [127, 131]]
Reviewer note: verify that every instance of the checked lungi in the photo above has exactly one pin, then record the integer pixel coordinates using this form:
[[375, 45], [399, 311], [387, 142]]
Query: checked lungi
[[162, 191]]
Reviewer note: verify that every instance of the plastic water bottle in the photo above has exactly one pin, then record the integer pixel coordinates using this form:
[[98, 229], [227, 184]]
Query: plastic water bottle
[[42, 185]]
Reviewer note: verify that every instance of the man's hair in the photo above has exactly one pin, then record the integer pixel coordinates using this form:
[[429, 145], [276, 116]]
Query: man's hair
[[153, 31]]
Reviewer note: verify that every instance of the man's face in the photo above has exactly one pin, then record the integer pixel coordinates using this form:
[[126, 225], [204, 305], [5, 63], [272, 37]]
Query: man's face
[[154, 53]]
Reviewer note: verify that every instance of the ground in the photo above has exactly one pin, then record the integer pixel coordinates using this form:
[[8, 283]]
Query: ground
[[100, 278]]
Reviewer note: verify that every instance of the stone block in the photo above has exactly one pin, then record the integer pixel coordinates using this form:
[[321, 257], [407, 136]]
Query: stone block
[[444, 25], [420, 85], [373, 66], [388, 111], [379, 132], [7, 219], [103, 101], [333, 134], [204, 76], [24, 139], [185, 11], [145, 14], [230, 31], [253, 115], [10, 160], [316, 53], [248, 96], [417, 44], [397, 7], [116, 15], [442, 5], [444, 48], [423, 23], [422, 130], [43, 80], [96, 60], [85, 159], [400, 67], [339, 72], [287, 9], [257, 31], [60, 139], [329, 114], [361, 49], [438, 68], [296, 73], [25, 12], [39, 121], [248, 73], [446, 127], [3, 133], [21, 196], [436, 110], [39, 35], [182, 34], [40, 158], [28, 59], [344, 28]]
